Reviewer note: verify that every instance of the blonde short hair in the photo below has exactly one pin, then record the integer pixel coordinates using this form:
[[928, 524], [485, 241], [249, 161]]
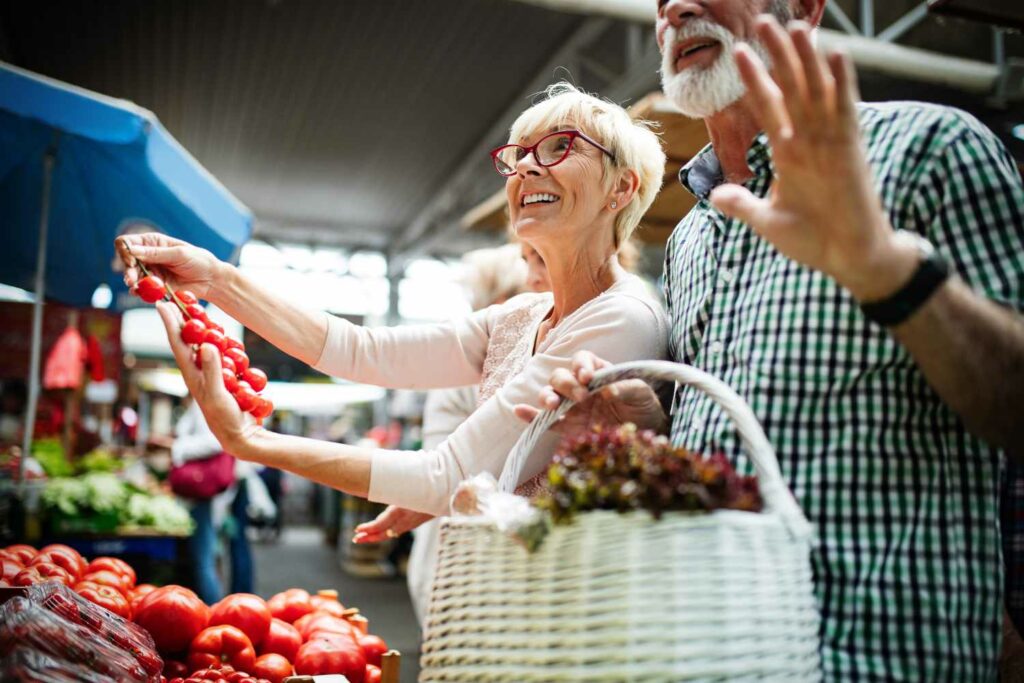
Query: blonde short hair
[[633, 143]]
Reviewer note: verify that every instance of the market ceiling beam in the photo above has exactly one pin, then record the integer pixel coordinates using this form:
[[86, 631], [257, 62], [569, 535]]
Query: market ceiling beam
[[447, 198], [329, 234]]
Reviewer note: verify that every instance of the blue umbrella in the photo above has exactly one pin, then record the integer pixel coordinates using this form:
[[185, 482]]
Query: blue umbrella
[[76, 170]]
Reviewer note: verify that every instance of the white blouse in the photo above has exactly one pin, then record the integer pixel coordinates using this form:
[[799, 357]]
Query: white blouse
[[623, 323]]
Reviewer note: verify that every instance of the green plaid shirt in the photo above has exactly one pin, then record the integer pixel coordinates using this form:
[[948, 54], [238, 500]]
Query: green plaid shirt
[[908, 569]]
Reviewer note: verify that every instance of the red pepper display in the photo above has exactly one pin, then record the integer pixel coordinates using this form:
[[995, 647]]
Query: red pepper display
[[218, 645]]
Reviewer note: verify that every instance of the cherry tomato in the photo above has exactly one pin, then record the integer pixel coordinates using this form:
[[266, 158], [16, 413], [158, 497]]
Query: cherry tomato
[[230, 381], [262, 408], [224, 644], [241, 360], [373, 648], [245, 611], [215, 326], [273, 667], [114, 564], [216, 338], [173, 615], [151, 289], [282, 638], [228, 364], [245, 397], [186, 297], [193, 331], [196, 312], [235, 344], [256, 378], [373, 674], [106, 597]]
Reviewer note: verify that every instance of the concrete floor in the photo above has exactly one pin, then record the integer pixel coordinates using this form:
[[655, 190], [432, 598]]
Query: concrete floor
[[301, 559]]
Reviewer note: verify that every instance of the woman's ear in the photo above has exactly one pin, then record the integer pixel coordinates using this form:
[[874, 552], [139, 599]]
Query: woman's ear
[[624, 188]]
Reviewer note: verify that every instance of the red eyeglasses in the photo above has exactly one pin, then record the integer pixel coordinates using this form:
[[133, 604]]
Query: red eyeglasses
[[550, 150]]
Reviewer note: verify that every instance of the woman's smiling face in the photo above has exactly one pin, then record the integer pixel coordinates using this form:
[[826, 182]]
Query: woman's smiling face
[[565, 197]]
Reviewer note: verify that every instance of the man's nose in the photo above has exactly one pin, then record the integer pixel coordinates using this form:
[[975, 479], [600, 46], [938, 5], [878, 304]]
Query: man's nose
[[677, 11]]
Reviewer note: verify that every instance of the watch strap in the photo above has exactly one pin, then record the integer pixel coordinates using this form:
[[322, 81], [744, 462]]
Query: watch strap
[[929, 276]]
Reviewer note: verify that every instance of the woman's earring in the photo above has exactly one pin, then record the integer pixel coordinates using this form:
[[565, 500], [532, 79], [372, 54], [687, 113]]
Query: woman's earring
[[614, 204]]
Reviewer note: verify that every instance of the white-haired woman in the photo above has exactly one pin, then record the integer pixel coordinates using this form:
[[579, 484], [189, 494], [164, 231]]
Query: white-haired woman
[[579, 176]]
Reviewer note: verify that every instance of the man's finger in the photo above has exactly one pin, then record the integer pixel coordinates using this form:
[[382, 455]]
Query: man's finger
[[785, 66], [820, 85], [738, 202], [765, 93]]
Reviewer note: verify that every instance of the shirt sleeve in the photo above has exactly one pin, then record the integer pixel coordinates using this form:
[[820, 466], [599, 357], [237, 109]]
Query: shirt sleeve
[[970, 205], [393, 357], [444, 411], [616, 327]]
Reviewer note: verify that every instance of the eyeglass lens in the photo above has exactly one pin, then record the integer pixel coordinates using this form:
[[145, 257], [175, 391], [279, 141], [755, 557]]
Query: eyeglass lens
[[549, 151]]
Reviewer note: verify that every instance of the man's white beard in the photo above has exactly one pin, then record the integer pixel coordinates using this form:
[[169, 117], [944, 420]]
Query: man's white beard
[[701, 92]]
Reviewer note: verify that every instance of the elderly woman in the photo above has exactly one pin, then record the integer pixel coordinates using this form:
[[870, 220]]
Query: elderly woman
[[579, 176]]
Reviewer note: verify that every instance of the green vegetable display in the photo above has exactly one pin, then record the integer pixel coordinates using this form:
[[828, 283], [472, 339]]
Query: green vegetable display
[[101, 494]]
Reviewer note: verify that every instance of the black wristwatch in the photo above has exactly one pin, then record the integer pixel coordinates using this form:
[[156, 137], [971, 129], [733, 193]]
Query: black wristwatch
[[931, 272]]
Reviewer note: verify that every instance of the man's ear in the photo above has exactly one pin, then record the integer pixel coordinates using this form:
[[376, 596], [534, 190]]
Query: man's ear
[[810, 11]]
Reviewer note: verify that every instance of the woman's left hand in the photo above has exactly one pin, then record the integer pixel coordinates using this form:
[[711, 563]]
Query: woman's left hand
[[233, 428], [391, 523]]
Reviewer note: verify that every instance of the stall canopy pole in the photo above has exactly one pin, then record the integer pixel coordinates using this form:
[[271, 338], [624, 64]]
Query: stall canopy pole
[[37, 312]]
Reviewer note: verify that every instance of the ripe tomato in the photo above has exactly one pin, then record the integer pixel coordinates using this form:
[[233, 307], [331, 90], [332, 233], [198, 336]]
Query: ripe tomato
[[151, 289], [372, 674], [62, 556], [230, 381], [256, 378], [262, 408], [22, 553], [228, 365], [186, 297], [139, 592], [218, 645], [320, 621], [106, 597], [289, 605], [245, 397], [11, 568], [173, 667], [173, 615], [325, 603], [193, 331], [244, 611], [235, 344], [331, 657], [41, 572], [282, 638], [273, 667], [116, 565], [109, 578], [238, 356], [373, 648], [216, 338]]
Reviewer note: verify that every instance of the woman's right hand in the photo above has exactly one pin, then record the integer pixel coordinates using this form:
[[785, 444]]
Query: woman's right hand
[[180, 264]]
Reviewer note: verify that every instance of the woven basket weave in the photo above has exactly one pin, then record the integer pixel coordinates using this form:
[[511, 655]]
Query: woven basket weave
[[623, 597]]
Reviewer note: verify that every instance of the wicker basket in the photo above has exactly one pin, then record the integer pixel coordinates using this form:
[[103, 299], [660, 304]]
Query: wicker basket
[[622, 597]]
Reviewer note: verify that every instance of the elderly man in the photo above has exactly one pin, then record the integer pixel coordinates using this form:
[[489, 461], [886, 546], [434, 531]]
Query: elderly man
[[856, 272]]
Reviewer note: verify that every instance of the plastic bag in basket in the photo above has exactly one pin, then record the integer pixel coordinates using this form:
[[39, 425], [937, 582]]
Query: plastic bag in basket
[[27, 624], [26, 665], [126, 635]]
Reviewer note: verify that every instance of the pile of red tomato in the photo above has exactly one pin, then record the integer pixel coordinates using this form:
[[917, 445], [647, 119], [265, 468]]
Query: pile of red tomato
[[243, 382], [241, 638]]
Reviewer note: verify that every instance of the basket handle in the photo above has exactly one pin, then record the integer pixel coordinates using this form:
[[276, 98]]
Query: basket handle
[[773, 488]]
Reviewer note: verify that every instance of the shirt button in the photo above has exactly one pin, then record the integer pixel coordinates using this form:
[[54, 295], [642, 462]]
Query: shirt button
[[728, 275], [717, 347], [696, 424]]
